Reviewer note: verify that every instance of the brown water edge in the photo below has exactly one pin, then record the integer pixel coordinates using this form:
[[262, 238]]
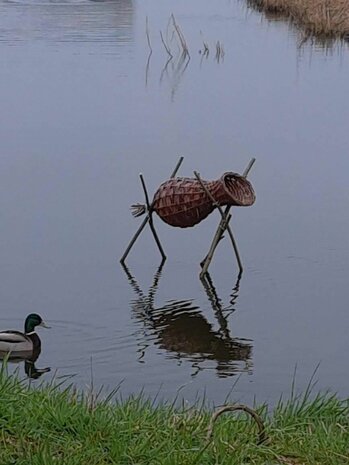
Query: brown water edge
[[323, 19]]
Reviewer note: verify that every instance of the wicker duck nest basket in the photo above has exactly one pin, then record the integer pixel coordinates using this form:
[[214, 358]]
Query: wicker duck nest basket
[[183, 203]]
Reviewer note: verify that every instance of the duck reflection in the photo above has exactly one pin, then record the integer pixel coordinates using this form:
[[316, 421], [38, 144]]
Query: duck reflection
[[180, 328], [16, 346], [29, 358]]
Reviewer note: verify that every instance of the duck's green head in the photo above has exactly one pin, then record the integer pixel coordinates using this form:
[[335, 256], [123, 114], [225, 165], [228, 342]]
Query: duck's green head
[[32, 321]]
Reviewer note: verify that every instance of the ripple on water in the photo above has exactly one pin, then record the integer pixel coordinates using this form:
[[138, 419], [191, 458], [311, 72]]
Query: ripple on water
[[80, 21], [181, 330]]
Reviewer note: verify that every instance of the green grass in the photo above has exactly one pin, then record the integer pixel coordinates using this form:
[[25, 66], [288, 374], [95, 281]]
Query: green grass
[[56, 425]]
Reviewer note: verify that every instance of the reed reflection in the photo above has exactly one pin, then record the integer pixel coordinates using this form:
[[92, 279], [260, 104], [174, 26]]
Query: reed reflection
[[180, 328]]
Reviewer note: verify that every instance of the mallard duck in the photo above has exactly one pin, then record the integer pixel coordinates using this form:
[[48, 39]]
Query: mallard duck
[[15, 341]]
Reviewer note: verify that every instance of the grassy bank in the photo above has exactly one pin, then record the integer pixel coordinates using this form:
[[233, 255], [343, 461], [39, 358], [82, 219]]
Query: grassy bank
[[320, 18], [51, 425]]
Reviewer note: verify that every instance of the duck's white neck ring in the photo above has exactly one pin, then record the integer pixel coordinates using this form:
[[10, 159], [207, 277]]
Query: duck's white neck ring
[[29, 334]]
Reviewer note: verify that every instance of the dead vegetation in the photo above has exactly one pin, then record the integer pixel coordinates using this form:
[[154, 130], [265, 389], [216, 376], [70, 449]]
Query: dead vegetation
[[318, 18]]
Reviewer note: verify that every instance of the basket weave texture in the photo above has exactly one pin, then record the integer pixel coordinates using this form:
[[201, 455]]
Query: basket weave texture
[[182, 202]]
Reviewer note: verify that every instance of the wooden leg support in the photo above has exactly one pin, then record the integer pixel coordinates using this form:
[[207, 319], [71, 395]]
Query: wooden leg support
[[150, 219], [223, 225], [145, 221]]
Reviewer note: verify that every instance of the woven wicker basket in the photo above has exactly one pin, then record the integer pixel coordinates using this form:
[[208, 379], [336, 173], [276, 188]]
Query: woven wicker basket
[[182, 202]]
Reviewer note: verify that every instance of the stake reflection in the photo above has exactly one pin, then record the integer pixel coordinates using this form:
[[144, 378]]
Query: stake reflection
[[180, 328]]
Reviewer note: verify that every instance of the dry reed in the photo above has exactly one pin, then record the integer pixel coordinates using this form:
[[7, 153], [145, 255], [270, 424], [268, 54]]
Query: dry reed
[[320, 18]]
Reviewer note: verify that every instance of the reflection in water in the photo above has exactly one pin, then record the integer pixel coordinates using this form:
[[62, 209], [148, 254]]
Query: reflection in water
[[326, 42], [29, 358], [101, 22], [174, 70], [179, 54], [175, 67], [221, 313], [181, 329]]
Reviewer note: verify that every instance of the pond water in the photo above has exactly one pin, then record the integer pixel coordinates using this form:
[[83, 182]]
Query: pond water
[[84, 109]]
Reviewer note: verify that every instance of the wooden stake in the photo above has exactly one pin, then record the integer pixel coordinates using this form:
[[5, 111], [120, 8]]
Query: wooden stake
[[223, 225], [150, 216], [146, 219]]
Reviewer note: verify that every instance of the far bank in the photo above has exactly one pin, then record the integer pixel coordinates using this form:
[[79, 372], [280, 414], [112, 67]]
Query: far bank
[[319, 18]]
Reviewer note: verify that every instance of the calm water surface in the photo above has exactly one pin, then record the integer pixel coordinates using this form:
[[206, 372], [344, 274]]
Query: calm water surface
[[84, 110]]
